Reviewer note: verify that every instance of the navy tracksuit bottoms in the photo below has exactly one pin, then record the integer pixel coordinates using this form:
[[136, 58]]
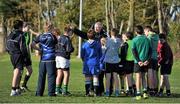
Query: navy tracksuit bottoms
[[48, 67]]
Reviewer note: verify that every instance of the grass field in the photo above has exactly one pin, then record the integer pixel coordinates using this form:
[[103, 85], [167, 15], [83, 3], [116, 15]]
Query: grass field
[[76, 87]]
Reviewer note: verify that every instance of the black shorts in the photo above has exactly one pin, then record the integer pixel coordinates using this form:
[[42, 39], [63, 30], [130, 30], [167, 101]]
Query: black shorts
[[64, 69], [27, 61], [154, 64], [129, 67], [138, 69], [166, 69], [121, 68], [109, 67], [17, 61]]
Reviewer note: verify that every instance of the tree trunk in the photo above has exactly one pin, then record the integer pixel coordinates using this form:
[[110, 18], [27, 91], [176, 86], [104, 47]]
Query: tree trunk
[[3, 35], [160, 20], [107, 17], [48, 10], [39, 16], [145, 9], [121, 27], [112, 14], [131, 16], [59, 3]]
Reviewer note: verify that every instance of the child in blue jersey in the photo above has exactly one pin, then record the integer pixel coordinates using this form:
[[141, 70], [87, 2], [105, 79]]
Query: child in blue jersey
[[91, 53], [112, 61]]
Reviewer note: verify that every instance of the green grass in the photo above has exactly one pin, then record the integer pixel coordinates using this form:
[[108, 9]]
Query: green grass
[[76, 87]]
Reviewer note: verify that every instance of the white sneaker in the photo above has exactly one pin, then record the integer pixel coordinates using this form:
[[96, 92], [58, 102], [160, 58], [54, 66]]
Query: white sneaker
[[18, 91], [13, 93]]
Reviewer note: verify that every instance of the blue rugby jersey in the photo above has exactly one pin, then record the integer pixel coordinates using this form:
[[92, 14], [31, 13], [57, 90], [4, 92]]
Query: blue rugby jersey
[[91, 53], [47, 42]]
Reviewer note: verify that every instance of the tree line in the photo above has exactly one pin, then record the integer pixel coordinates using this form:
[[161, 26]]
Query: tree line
[[162, 15]]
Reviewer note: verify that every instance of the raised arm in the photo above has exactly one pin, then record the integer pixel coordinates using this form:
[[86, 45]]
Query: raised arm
[[35, 41], [80, 33], [35, 33]]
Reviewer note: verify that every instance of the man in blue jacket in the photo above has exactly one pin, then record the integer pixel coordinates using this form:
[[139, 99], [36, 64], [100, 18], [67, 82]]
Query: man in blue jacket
[[47, 42]]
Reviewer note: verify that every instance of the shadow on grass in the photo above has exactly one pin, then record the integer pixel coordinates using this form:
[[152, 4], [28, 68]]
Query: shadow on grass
[[82, 94], [173, 95]]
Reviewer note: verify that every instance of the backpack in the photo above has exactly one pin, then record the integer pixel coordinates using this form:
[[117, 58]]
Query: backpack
[[12, 43]]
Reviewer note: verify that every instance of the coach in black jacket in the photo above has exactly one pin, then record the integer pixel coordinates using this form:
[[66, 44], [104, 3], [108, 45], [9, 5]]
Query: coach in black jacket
[[99, 32]]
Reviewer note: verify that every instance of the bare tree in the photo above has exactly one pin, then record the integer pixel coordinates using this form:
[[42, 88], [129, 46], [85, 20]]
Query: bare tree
[[160, 18], [107, 16], [121, 27], [3, 34], [112, 13], [131, 15], [145, 9]]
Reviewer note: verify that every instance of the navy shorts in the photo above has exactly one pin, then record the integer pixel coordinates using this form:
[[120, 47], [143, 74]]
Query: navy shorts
[[166, 69], [109, 67], [27, 61], [121, 68], [154, 64], [17, 61], [64, 69], [138, 69], [129, 67], [91, 69]]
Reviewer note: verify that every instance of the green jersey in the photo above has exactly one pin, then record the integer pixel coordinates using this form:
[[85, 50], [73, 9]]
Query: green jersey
[[27, 39], [154, 38], [129, 56], [141, 46]]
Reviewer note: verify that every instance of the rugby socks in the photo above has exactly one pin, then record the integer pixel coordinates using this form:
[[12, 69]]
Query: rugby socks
[[96, 86], [14, 88], [155, 90], [161, 90], [122, 88], [134, 89], [58, 88], [168, 92], [26, 78], [151, 92], [96, 90], [144, 90], [87, 87], [65, 88], [130, 90], [138, 93], [91, 86]]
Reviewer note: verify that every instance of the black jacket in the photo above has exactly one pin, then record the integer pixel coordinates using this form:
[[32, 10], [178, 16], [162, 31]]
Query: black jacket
[[123, 52], [165, 53], [64, 47], [83, 35], [16, 43]]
